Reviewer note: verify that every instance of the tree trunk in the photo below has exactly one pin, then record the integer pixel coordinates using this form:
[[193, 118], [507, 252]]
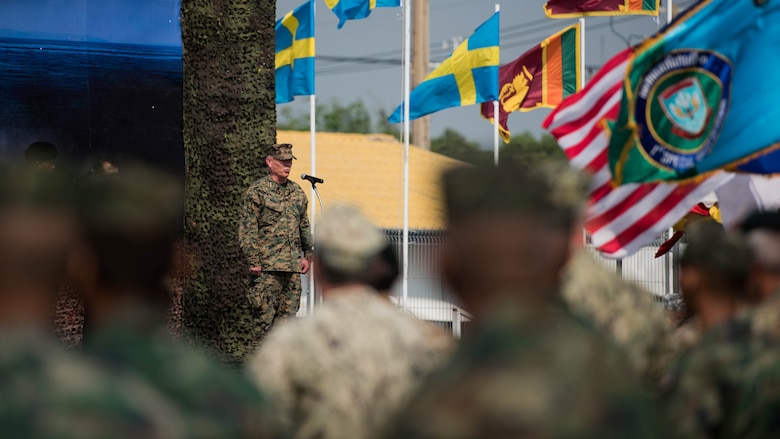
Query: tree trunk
[[229, 118]]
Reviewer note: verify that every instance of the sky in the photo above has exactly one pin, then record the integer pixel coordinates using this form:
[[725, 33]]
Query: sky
[[115, 21], [523, 25]]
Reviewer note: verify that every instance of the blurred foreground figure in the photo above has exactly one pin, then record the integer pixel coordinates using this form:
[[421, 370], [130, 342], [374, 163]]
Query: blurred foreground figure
[[624, 312], [44, 391], [728, 384], [529, 368], [41, 156], [122, 254], [347, 369]]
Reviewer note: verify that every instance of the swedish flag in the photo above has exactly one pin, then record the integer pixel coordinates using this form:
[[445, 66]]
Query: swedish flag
[[357, 9], [295, 53], [469, 76]]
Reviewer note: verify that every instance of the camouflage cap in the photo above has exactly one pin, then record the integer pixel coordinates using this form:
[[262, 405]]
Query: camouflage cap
[[345, 240], [550, 189], [281, 151]]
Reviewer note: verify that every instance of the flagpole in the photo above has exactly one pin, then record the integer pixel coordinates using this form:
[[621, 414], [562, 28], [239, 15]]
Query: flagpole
[[582, 52], [495, 113], [582, 85], [313, 146], [407, 93], [669, 11]]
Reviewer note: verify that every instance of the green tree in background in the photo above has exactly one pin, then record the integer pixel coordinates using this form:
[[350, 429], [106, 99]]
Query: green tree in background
[[526, 148], [453, 144], [335, 117]]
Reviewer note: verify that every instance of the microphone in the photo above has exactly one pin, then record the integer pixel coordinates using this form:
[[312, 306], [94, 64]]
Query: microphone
[[312, 179]]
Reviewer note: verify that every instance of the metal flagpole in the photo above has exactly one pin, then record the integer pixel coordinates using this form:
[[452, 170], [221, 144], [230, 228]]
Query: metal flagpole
[[407, 92], [582, 85], [313, 145], [495, 115], [582, 52]]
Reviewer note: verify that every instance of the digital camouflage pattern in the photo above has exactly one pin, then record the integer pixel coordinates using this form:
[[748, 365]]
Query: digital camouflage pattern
[[46, 392], [347, 369], [726, 386], [624, 313], [217, 402], [275, 231], [275, 297], [534, 371]]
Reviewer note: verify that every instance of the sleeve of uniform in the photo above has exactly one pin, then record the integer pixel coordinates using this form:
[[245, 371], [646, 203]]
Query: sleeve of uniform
[[307, 241], [248, 229]]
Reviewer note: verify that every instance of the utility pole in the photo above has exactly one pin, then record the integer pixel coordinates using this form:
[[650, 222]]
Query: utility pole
[[421, 128]]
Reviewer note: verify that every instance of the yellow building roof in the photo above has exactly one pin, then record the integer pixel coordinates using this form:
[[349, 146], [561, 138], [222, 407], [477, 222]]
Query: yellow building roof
[[366, 170]]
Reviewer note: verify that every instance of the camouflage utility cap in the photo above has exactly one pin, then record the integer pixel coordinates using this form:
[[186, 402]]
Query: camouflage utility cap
[[281, 151], [346, 240], [551, 190]]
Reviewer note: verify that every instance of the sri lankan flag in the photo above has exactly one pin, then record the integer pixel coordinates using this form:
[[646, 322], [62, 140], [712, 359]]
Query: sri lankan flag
[[581, 8], [540, 78]]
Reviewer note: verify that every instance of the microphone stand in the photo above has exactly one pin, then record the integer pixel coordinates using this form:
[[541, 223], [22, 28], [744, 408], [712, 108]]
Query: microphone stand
[[317, 193]]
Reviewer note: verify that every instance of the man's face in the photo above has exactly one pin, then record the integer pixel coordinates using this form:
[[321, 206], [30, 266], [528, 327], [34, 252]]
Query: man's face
[[279, 168]]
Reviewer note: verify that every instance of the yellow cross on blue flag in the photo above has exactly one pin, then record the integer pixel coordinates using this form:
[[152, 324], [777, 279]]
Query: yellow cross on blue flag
[[469, 76], [357, 9], [295, 53]]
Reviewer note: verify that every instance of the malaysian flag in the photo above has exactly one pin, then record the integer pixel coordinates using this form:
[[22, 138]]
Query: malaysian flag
[[621, 219]]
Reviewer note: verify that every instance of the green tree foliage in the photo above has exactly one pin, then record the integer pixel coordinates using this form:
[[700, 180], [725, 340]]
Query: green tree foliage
[[453, 144], [526, 148], [523, 147], [335, 117]]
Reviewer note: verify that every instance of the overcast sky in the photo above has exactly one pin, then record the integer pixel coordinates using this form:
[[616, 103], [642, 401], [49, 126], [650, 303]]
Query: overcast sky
[[523, 25]]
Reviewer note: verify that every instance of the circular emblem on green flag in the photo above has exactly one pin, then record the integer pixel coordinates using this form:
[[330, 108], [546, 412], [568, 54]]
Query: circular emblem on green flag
[[681, 103]]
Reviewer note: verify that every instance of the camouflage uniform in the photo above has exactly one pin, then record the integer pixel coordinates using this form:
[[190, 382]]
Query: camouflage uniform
[[47, 393], [275, 234], [533, 372], [217, 402], [528, 368], [625, 313], [344, 371], [726, 386]]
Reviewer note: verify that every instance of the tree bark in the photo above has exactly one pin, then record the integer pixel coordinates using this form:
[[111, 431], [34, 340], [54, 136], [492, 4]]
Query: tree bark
[[229, 119]]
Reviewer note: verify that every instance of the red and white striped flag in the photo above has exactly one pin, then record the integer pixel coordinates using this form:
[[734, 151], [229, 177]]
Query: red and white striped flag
[[621, 219]]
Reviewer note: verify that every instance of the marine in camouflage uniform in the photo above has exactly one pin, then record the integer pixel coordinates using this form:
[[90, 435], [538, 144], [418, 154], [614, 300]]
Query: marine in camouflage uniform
[[46, 392], [347, 369], [528, 368], [726, 385], [625, 313], [275, 237], [126, 242]]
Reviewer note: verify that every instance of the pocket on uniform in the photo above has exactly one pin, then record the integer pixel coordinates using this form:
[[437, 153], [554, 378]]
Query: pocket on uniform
[[272, 214]]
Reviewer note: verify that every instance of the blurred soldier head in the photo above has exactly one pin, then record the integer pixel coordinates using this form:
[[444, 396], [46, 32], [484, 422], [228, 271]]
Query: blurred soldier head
[[279, 161], [349, 249], [714, 271], [762, 232], [105, 166], [41, 156], [36, 228], [512, 230], [126, 233]]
